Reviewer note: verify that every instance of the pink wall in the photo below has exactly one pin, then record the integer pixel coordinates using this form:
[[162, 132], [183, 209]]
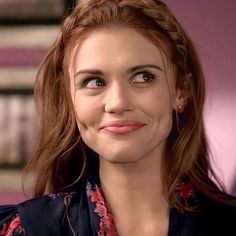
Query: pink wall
[[211, 24]]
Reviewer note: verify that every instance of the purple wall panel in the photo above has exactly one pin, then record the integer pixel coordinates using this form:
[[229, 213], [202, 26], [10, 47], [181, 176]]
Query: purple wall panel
[[12, 197], [211, 24], [23, 57]]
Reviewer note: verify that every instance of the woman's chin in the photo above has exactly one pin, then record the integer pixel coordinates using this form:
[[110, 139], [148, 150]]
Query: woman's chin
[[120, 158]]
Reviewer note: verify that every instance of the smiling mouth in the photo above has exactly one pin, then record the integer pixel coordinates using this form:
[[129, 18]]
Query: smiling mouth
[[122, 127]]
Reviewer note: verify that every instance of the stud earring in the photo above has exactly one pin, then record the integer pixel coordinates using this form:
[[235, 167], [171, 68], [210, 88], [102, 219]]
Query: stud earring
[[180, 109]]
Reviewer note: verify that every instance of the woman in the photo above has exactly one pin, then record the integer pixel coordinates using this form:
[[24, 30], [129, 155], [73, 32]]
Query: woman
[[121, 146]]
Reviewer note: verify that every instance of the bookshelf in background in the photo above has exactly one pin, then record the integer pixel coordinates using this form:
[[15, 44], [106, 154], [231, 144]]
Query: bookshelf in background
[[27, 30]]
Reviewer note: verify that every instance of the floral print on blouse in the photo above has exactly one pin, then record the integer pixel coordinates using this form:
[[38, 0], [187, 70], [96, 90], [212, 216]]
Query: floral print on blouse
[[85, 212], [107, 224], [13, 227], [101, 214]]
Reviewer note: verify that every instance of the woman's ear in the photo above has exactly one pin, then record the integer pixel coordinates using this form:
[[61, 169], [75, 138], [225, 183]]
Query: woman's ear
[[182, 93]]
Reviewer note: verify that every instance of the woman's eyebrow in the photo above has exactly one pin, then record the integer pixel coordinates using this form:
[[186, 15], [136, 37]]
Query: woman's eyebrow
[[130, 70], [138, 67], [89, 71]]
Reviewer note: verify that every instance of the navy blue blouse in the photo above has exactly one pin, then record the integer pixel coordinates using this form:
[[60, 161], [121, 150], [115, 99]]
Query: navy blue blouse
[[86, 213]]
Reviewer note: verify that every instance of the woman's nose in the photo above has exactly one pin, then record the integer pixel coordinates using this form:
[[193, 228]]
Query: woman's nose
[[118, 100]]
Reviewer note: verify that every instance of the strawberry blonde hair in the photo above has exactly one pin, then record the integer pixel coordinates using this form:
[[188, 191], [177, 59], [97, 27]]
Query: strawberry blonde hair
[[60, 157]]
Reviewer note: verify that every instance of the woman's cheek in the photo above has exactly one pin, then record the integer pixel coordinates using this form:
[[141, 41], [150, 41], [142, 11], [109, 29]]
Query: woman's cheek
[[85, 111]]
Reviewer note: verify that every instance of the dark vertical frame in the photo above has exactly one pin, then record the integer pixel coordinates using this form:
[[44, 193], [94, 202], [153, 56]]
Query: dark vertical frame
[[68, 8]]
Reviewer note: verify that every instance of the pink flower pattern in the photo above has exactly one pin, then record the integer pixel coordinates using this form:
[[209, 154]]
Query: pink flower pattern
[[12, 227], [185, 194], [107, 225]]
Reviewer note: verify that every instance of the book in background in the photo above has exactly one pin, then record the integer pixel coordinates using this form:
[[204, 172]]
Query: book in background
[[27, 30]]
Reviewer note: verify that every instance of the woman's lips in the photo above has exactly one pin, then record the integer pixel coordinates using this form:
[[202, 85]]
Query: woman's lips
[[122, 127]]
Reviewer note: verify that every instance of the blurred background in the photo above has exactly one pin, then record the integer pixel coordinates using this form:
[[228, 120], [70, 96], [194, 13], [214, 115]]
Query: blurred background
[[29, 27], [211, 24], [27, 30]]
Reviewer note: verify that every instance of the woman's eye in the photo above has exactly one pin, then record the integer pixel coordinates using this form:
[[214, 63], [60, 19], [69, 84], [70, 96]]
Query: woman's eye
[[143, 77], [93, 83]]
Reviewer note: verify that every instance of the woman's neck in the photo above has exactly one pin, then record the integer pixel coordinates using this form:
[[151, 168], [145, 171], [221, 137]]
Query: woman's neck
[[134, 191]]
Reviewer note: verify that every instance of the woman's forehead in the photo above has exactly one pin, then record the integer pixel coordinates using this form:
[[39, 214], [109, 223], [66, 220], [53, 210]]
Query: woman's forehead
[[110, 43]]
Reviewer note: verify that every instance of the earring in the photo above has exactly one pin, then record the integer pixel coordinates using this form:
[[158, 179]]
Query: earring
[[180, 109]]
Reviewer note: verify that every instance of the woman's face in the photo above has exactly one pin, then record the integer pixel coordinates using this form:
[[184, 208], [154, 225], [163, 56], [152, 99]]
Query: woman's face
[[123, 94]]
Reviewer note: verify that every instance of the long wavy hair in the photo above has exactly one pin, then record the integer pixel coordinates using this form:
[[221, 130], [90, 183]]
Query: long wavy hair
[[60, 157]]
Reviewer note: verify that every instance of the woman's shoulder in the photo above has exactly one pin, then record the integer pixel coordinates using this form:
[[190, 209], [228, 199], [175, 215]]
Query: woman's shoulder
[[48, 201], [47, 211], [215, 217], [209, 217], [221, 211]]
